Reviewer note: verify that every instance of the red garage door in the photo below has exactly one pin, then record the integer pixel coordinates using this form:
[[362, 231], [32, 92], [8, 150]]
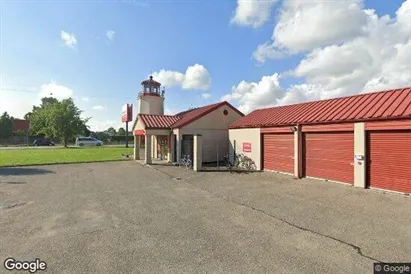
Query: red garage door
[[329, 156], [389, 165], [278, 152]]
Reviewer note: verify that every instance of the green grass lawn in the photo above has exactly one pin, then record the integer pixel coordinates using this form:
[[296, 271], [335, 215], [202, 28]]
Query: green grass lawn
[[38, 156]]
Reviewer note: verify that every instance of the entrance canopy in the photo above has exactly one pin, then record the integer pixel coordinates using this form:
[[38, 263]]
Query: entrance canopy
[[139, 132], [154, 124]]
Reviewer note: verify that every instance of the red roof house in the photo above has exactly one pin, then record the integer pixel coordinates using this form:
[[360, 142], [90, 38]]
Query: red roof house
[[21, 125], [210, 121]]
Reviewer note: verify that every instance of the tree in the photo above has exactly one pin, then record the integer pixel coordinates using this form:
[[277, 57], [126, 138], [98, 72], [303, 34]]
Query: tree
[[87, 131], [112, 131], [27, 116], [45, 101], [6, 126], [58, 119], [121, 132], [103, 136]]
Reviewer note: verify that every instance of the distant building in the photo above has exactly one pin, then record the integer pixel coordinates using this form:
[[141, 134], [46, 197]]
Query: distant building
[[21, 125]]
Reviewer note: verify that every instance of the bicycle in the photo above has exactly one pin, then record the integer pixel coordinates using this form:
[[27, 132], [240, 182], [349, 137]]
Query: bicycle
[[247, 163], [185, 161], [230, 165]]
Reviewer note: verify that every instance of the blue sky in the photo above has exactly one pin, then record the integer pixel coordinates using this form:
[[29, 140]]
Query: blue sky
[[168, 37]]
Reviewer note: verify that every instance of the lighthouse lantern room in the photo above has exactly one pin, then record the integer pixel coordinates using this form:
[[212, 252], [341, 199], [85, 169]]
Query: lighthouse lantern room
[[151, 98]]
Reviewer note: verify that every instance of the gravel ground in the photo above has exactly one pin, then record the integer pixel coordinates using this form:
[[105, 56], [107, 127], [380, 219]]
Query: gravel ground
[[126, 218]]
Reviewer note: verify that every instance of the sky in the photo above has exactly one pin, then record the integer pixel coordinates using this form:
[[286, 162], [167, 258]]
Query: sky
[[253, 54]]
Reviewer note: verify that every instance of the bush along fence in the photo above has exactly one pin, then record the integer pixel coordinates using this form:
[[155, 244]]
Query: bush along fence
[[24, 140], [28, 140]]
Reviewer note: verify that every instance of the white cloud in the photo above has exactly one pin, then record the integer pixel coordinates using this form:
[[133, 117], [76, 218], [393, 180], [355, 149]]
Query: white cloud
[[381, 59], [55, 90], [252, 13], [18, 103], [110, 35], [68, 39], [171, 111], [85, 99], [268, 51], [195, 77], [306, 25], [377, 58], [302, 93], [251, 95], [98, 108], [206, 95], [103, 124]]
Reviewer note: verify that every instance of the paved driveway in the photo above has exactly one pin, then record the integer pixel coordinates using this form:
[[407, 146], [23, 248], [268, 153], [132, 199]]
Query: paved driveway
[[125, 218]]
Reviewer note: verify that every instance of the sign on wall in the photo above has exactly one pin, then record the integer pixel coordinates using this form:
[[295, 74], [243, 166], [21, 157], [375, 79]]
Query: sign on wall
[[246, 147], [127, 113]]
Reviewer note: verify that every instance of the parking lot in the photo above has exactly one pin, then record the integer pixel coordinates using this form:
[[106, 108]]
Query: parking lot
[[123, 217]]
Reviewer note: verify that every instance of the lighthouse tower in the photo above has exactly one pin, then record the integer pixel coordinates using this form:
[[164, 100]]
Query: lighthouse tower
[[151, 99]]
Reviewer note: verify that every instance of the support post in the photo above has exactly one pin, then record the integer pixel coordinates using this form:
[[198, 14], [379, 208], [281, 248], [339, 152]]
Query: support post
[[297, 152], [136, 147], [147, 151], [153, 146], [170, 142], [359, 156], [126, 134], [198, 153], [178, 139], [218, 160]]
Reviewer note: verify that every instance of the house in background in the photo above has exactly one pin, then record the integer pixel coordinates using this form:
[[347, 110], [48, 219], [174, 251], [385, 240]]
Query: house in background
[[171, 136], [21, 125]]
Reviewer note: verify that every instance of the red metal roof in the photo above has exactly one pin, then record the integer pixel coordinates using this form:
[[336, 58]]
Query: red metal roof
[[151, 82], [194, 114], [158, 121], [181, 119], [390, 104]]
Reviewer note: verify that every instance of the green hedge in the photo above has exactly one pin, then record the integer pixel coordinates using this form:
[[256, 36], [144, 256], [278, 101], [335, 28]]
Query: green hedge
[[122, 138]]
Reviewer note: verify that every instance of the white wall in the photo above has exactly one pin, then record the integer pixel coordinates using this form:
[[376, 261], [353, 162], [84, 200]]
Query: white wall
[[214, 130], [360, 148], [215, 119], [139, 125], [248, 135], [149, 104]]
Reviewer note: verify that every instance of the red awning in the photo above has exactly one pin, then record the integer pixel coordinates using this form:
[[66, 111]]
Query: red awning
[[139, 132]]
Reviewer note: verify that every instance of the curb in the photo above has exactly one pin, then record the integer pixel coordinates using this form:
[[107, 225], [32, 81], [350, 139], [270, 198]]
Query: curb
[[65, 163]]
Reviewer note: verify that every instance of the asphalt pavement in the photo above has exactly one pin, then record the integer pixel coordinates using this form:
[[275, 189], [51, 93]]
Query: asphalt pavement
[[123, 217]]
